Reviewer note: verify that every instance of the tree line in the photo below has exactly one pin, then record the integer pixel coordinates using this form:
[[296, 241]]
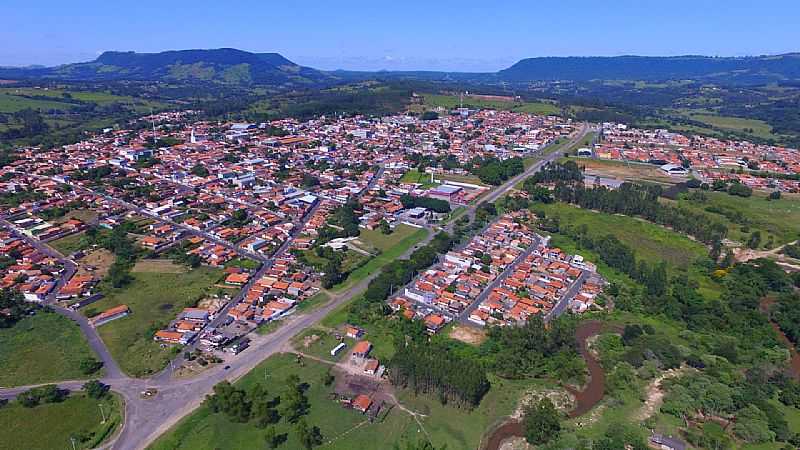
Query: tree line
[[434, 204], [426, 369]]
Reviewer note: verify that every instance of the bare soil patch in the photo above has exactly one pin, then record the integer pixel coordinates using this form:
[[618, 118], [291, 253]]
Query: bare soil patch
[[468, 335], [96, 263]]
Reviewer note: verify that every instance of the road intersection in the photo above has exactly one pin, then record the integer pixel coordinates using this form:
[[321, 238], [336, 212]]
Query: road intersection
[[147, 417]]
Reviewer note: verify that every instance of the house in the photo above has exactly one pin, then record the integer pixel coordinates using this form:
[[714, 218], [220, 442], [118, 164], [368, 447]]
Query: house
[[361, 403], [353, 332], [362, 349], [109, 315], [434, 323], [237, 279], [170, 337], [371, 367]]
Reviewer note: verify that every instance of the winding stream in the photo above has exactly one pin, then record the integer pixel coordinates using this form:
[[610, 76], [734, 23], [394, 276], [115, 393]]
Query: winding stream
[[585, 400]]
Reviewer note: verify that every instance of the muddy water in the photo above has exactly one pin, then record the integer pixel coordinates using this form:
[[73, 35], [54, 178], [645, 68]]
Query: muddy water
[[794, 364], [584, 400]]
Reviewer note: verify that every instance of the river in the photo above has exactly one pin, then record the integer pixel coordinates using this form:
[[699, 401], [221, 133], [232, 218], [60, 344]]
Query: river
[[585, 400]]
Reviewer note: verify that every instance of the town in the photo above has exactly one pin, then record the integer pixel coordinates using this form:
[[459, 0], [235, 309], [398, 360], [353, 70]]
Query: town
[[285, 217]]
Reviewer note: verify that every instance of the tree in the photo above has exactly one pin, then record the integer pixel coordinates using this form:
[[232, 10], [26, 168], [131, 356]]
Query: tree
[[755, 240], [262, 407], [385, 228], [309, 436], [199, 170], [541, 422], [95, 389], [295, 403], [272, 439], [90, 365], [429, 115], [752, 426]]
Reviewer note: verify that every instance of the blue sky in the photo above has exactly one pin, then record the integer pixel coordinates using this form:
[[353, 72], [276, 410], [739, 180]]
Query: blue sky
[[400, 35]]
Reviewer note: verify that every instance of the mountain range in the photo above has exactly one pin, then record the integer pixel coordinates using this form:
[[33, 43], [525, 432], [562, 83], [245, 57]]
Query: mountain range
[[224, 65], [232, 66]]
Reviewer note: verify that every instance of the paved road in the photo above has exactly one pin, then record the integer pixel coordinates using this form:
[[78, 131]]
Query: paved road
[[464, 316], [146, 419]]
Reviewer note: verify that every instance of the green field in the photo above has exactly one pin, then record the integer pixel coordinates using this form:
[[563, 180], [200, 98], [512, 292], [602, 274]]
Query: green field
[[15, 99], [394, 246], [154, 300], [415, 176], [458, 428], [776, 219], [651, 242], [453, 101], [49, 426], [322, 345], [69, 244], [759, 128], [43, 348], [313, 302]]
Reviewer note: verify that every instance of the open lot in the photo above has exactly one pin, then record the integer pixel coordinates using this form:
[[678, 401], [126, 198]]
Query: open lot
[[626, 171], [319, 342], [69, 244], [415, 176], [158, 266], [406, 238], [777, 219], [651, 242], [96, 263], [154, 300], [49, 426], [42, 348]]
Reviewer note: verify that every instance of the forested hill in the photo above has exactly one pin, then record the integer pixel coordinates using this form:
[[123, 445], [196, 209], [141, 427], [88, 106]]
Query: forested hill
[[756, 69], [225, 65]]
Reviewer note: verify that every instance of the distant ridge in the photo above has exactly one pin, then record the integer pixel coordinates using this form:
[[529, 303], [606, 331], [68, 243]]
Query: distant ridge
[[655, 68], [224, 65], [232, 66]]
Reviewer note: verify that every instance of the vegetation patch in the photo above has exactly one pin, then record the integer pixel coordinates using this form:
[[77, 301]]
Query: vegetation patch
[[130, 339], [45, 347]]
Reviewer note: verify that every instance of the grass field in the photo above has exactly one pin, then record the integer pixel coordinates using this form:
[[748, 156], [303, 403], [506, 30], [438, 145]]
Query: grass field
[[49, 426], [415, 176], [651, 242], [154, 300], [69, 244], [728, 123], [40, 349], [344, 429], [322, 345], [394, 247], [158, 266], [314, 302], [777, 219], [453, 101]]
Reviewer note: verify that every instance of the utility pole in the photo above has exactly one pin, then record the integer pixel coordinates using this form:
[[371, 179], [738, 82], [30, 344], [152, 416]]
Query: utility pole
[[102, 413], [72, 439]]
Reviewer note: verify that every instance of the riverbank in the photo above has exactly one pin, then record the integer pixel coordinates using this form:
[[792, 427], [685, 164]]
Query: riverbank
[[585, 399]]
